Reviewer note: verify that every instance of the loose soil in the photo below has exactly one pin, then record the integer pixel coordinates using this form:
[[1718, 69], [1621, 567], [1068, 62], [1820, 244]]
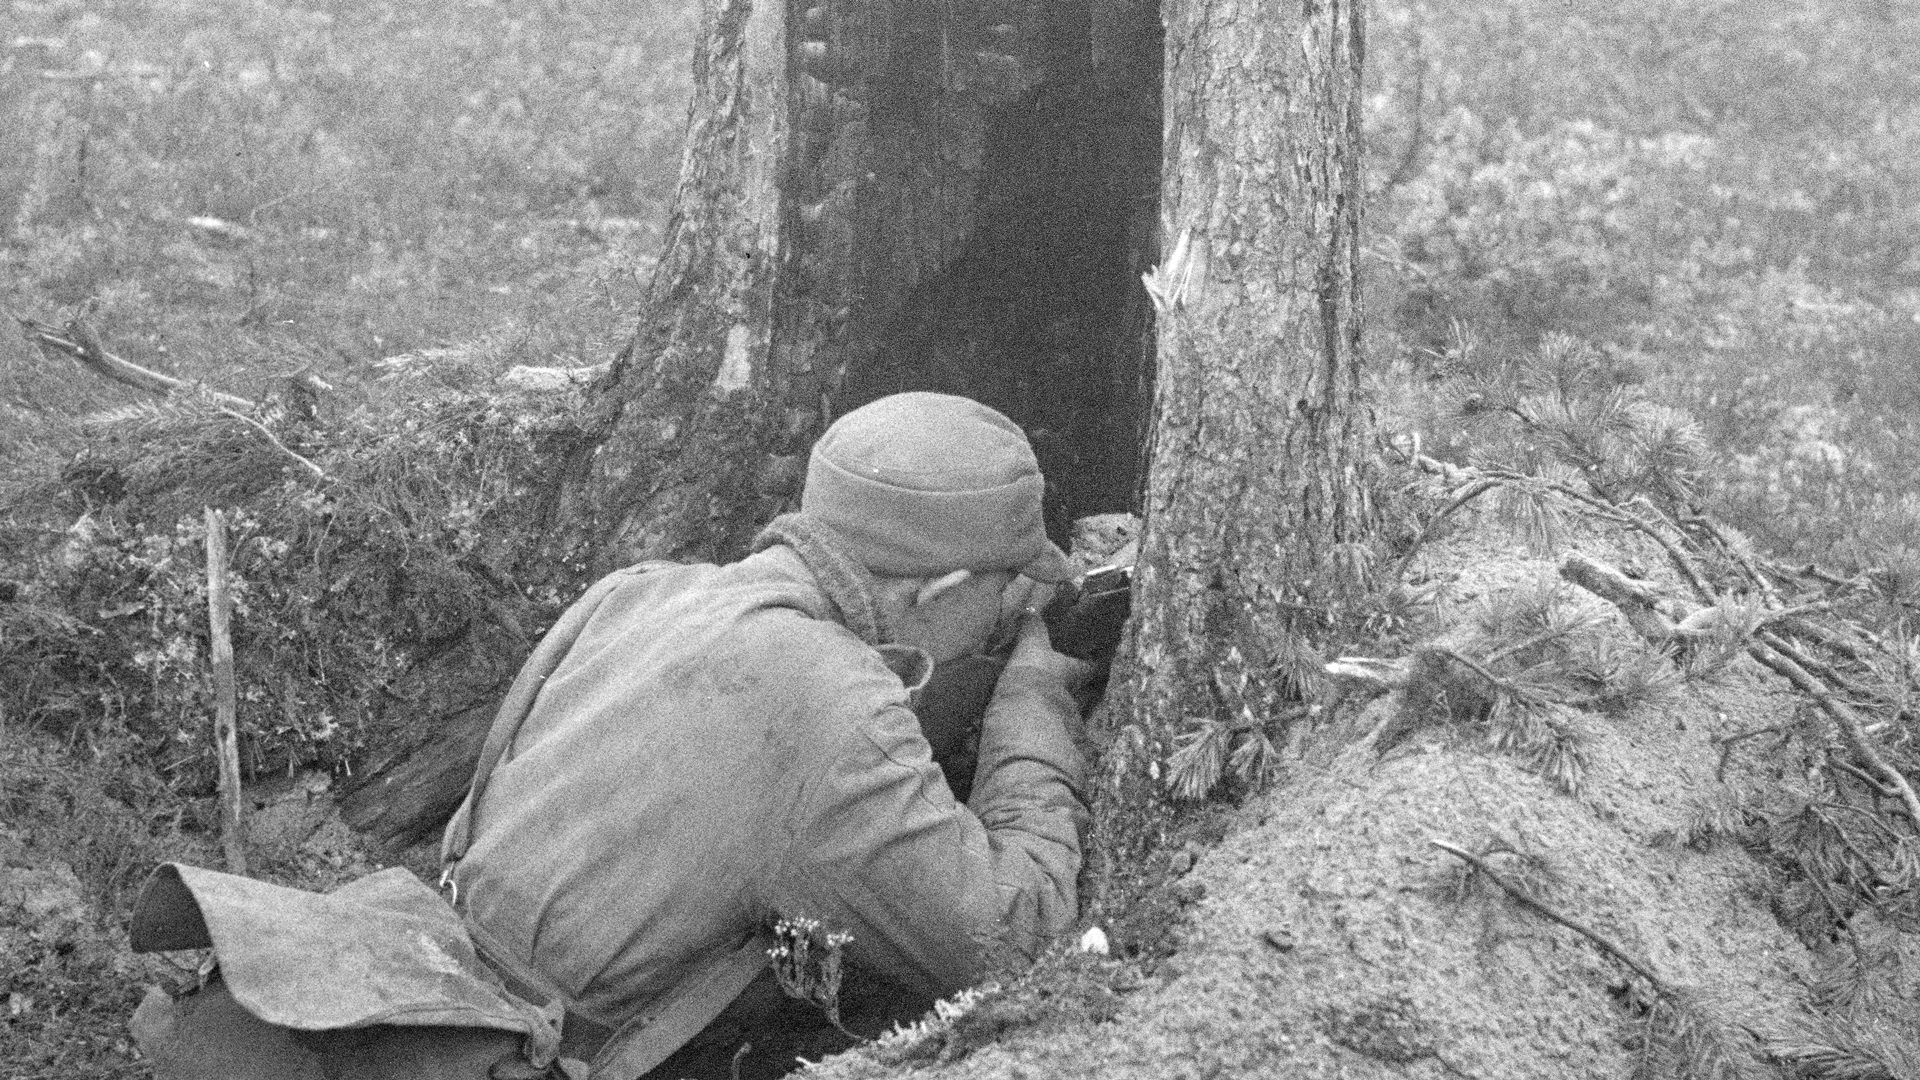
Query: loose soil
[[1326, 936]]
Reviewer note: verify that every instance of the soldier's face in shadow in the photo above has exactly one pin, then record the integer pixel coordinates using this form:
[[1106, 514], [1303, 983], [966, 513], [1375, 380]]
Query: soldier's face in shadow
[[957, 620]]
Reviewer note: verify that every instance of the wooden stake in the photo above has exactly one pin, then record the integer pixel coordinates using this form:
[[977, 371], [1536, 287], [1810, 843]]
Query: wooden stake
[[226, 736]]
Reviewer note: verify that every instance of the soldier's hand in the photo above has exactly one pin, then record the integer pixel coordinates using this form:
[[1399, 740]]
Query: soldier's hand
[[1032, 647]]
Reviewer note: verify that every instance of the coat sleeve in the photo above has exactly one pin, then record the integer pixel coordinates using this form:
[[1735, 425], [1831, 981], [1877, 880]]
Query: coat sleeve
[[938, 895]]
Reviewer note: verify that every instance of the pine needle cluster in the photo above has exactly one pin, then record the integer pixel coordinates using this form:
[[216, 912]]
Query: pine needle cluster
[[1238, 739], [1533, 661], [1572, 409], [1833, 1048], [1682, 1034]]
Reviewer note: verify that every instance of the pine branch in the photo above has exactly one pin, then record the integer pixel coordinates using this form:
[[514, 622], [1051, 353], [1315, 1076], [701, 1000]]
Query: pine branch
[[1471, 492], [79, 343], [1807, 630], [1847, 720], [1540, 907], [1599, 507]]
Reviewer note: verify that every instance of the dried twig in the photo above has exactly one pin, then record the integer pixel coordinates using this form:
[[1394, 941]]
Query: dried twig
[[1726, 744], [1874, 784], [1847, 720], [1471, 492], [1495, 681], [1821, 635], [1811, 572], [1528, 900], [1793, 652], [79, 344], [1541, 638], [318, 473]]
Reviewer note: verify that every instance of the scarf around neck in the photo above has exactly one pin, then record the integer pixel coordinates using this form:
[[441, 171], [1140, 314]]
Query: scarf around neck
[[845, 581]]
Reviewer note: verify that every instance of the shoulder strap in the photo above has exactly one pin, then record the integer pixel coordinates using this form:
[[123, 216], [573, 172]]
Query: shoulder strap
[[653, 1035], [519, 703]]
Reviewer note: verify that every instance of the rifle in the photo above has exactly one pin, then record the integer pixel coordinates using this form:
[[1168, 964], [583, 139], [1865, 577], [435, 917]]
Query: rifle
[[1085, 620]]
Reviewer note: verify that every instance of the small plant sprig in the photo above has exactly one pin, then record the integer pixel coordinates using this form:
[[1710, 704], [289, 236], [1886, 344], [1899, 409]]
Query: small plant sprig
[[808, 964], [1238, 737]]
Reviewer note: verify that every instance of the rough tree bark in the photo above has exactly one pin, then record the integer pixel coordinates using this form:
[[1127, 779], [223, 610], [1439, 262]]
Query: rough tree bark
[[882, 196], [1256, 506], [875, 196]]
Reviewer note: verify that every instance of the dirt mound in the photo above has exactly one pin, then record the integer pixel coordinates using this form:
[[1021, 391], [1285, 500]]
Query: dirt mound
[[1327, 935]]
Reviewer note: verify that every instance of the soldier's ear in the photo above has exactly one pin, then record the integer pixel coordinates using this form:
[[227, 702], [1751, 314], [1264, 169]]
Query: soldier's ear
[[934, 588]]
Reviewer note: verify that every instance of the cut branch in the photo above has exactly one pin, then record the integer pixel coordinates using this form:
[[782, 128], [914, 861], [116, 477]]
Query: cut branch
[[1617, 514], [1847, 720], [79, 344], [1637, 602]]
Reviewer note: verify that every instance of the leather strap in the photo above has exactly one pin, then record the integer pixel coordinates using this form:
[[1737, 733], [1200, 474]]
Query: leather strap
[[521, 977], [518, 703], [651, 1037]]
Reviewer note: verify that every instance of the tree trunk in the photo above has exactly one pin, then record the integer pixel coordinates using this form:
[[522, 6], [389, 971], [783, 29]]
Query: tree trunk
[[876, 196], [1256, 507], [881, 197]]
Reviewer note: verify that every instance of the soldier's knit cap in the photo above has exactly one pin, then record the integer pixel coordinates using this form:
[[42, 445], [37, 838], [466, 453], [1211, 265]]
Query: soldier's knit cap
[[922, 484]]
